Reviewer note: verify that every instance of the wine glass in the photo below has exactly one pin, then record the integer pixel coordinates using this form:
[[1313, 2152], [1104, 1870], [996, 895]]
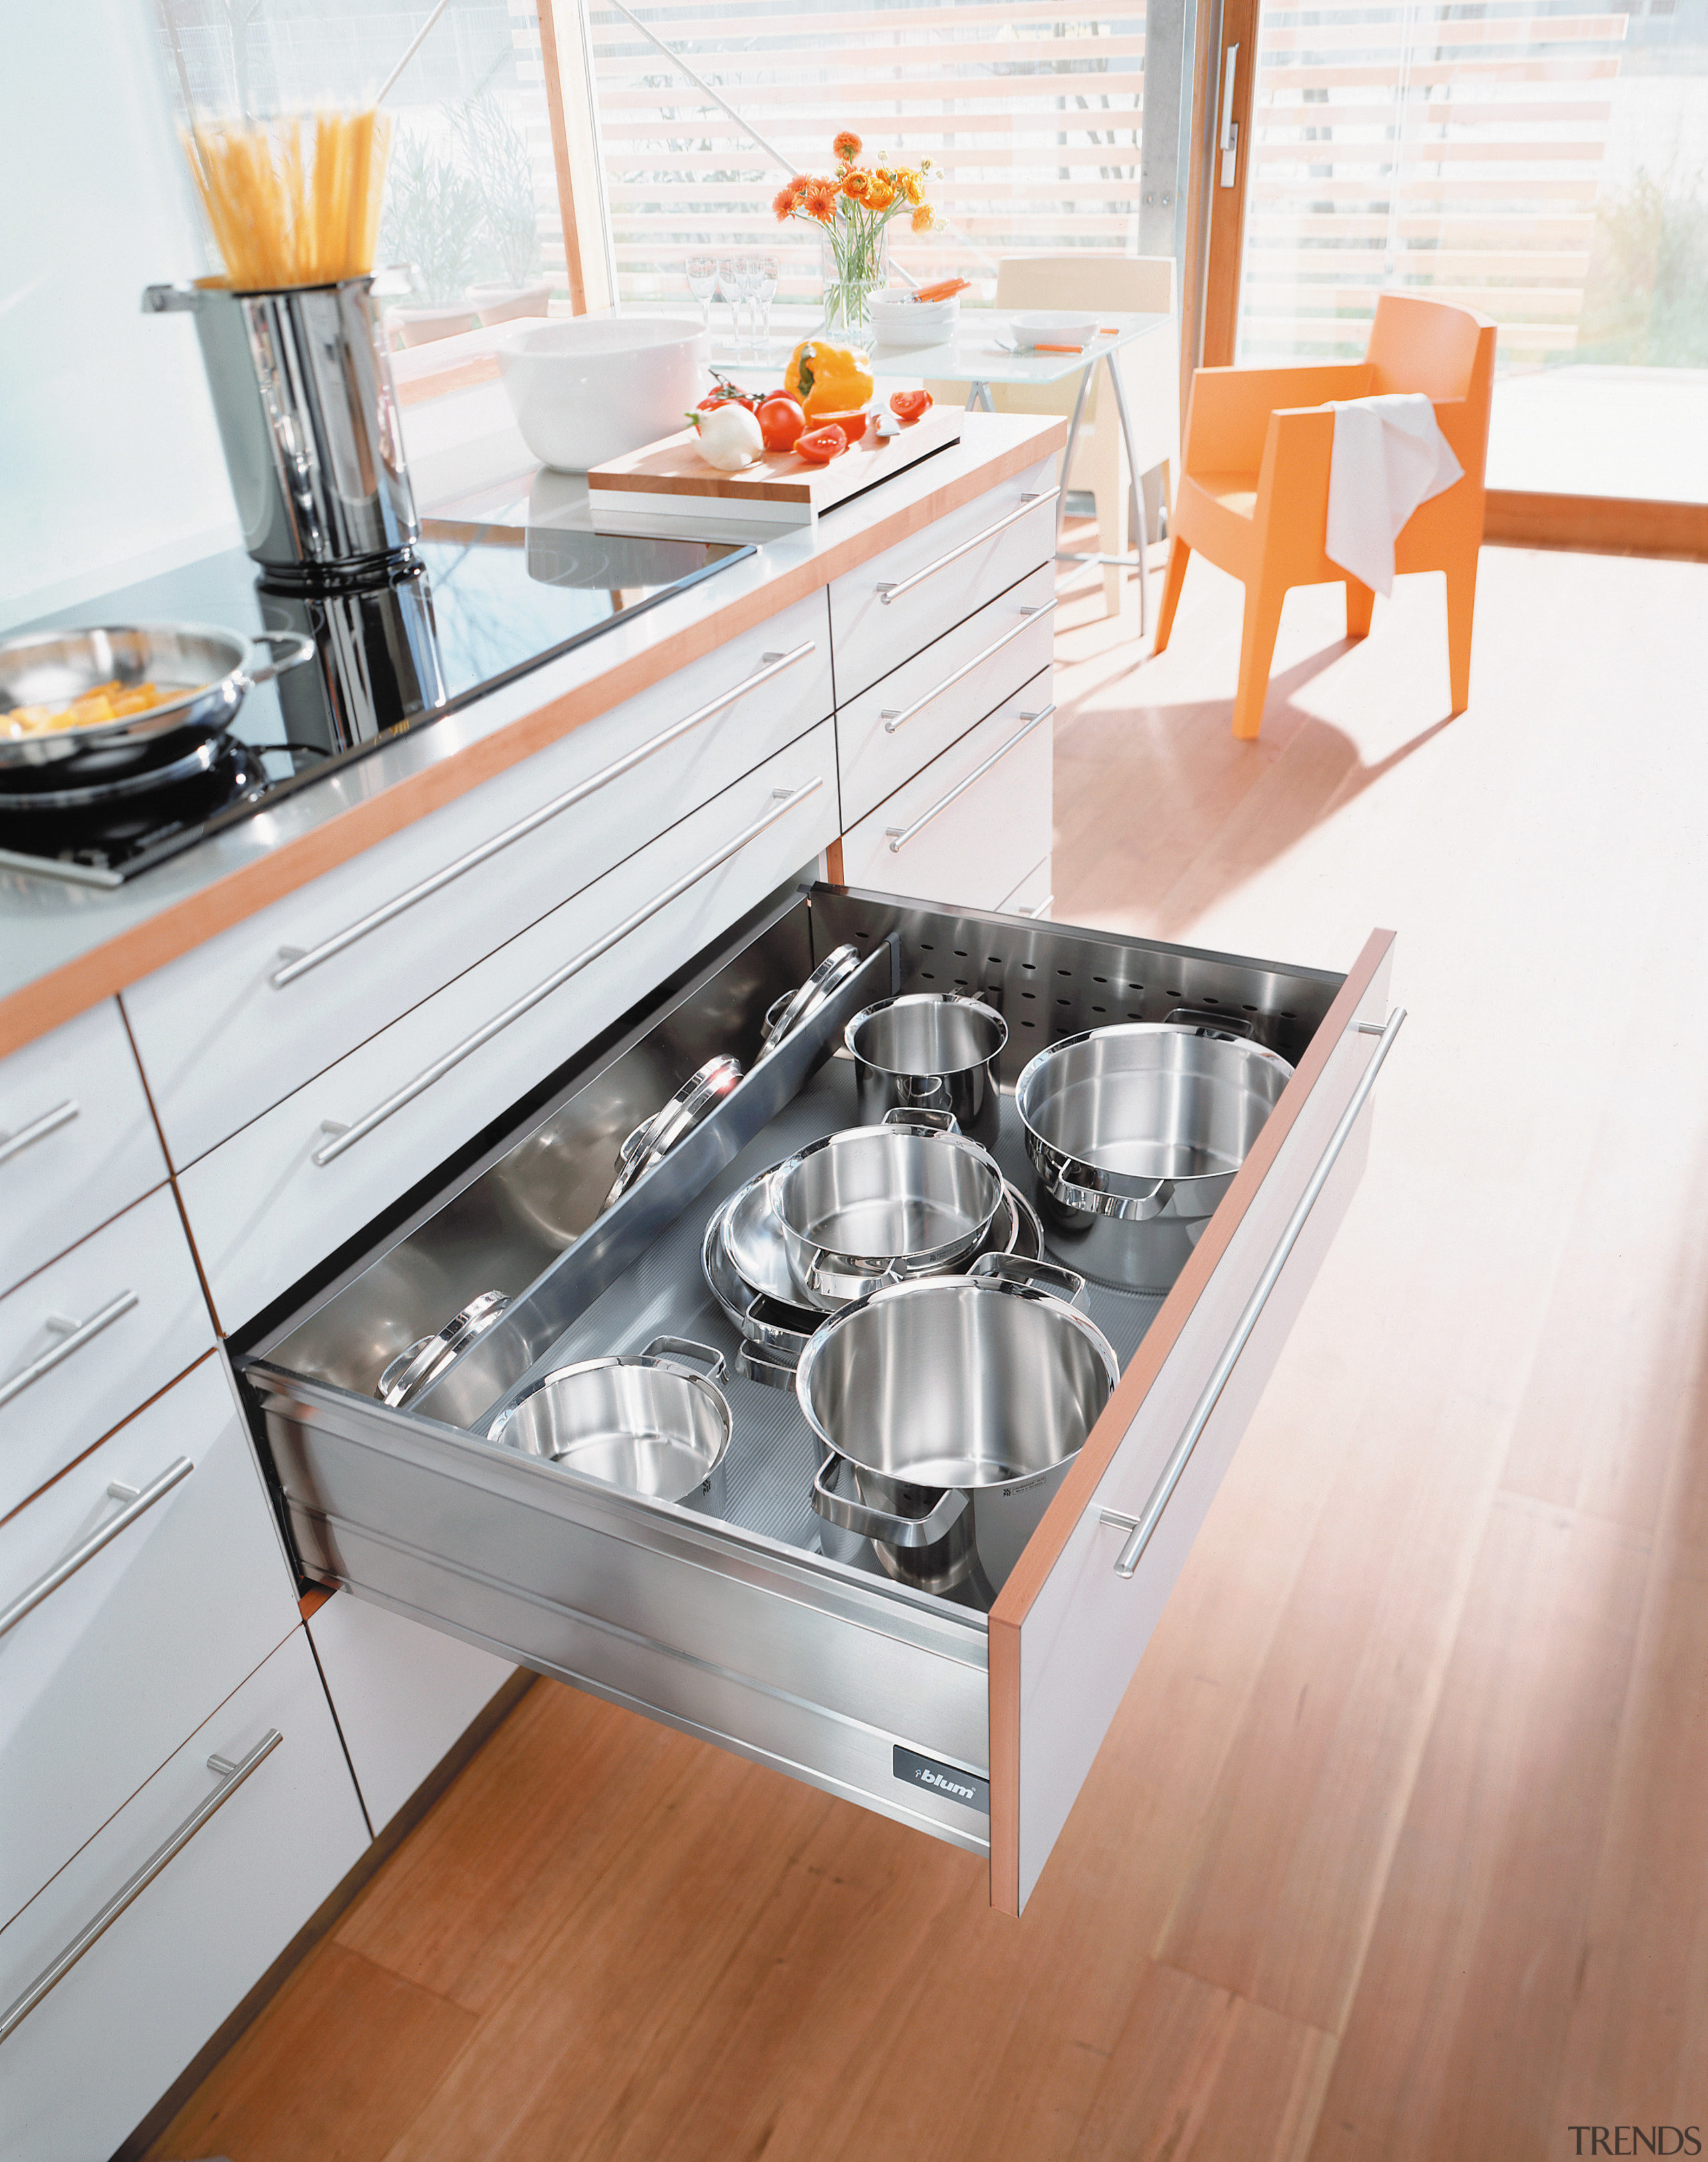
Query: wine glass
[[729, 286], [703, 284], [766, 292], [749, 269]]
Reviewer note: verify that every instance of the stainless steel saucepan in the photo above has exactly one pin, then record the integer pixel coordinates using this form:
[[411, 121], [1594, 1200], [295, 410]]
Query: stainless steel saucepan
[[929, 1050], [653, 1421], [880, 1204], [952, 1409], [1136, 1133], [208, 671]]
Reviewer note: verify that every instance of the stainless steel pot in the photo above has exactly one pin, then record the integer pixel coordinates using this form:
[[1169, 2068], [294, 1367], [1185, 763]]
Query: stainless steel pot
[[210, 670], [879, 1205], [1136, 1133], [929, 1050], [307, 415], [953, 1408], [649, 1420]]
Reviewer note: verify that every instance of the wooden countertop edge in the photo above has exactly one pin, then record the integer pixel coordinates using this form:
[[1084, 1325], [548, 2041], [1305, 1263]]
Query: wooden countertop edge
[[1047, 1544], [63, 993]]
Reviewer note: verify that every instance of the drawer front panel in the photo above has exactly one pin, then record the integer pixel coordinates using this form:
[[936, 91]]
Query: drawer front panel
[[76, 1141], [70, 1387], [872, 634], [886, 735], [113, 1667], [967, 849], [221, 1042], [1080, 1638], [745, 1650], [263, 1211], [95, 2053]]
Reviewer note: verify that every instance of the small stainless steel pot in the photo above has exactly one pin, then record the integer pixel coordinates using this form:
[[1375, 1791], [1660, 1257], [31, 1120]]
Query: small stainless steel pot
[[881, 1205], [1136, 1133], [952, 1409], [648, 1421], [929, 1050], [210, 670]]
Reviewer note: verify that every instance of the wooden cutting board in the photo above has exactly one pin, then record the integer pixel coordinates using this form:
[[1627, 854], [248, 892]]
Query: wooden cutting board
[[779, 490]]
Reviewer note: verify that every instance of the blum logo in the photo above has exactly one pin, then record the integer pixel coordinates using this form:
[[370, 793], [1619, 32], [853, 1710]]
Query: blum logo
[[1637, 2138], [948, 1786]]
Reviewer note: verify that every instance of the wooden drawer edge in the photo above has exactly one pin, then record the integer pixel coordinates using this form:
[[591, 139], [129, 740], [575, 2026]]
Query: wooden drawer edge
[[1051, 1538]]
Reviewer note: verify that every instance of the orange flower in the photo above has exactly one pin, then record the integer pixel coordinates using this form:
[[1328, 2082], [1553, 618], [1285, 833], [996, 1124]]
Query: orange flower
[[847, 146], [910, 188], [924, 218], [856, 184], [783, 202], [880, 195], [819, 202]]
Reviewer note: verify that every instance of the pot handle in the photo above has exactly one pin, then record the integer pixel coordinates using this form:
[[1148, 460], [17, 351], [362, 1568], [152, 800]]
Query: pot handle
[[682, 1353], [917, 1115], [171, 299], [870, 1523], [297, 650], [1047, 1276], [1233, 1028]]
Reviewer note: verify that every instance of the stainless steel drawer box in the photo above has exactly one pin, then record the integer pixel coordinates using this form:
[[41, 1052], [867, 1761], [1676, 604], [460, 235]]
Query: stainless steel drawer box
[[735, 1627]]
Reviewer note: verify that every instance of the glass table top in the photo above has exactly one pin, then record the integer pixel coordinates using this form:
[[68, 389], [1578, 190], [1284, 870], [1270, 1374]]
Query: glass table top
[[979, 352]]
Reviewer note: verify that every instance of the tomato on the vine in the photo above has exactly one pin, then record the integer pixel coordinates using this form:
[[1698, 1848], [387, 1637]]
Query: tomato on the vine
[[782, 421]]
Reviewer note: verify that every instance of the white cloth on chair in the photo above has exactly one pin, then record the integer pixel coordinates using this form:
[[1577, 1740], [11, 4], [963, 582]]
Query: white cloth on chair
[[1389, 456]]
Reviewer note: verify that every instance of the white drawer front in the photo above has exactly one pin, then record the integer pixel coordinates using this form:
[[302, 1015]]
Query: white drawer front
[[887, 733], [873, 634], [76, 1141], [67, 1387], [966, 848], [404, 1694], [97, 2052], [109, 1671], [221, 1041], [263, 1211]]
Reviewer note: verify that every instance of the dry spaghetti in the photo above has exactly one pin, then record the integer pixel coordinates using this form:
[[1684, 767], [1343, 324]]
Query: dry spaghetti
[[293, 200]]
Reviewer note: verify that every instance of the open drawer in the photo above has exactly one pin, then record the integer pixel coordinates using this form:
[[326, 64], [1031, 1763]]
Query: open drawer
[[976, 1727]]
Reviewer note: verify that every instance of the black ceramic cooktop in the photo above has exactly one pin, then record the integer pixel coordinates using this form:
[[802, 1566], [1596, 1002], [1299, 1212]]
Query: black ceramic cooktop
[[478, 606]]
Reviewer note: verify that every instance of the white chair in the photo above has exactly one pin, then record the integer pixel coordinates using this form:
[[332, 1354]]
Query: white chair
[[1123, 285]]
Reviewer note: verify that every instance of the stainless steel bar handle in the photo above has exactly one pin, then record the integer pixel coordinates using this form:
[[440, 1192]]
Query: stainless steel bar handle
[[345, 1137], [893, 589], [298, 963], [893, 718], [1229, 143], [50, 1122], [1142, 1527], [74, 1338], [899, 836], [232, 1777], [137, 1505]]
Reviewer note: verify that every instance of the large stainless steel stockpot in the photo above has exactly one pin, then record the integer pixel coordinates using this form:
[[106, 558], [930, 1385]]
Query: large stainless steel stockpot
[[953, 1408], [647, 1420], [929, 1050], [879, 1205], [1136, 1133]]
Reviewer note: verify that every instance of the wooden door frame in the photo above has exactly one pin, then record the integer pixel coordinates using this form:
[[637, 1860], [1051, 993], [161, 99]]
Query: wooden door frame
[[570, 99], [1209, 300]]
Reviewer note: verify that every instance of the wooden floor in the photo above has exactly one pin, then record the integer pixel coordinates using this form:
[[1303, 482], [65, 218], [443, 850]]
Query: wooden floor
[[1399, 1845]]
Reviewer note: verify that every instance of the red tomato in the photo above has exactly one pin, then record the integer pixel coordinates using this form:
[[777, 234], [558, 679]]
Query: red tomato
[[727, 393], [821, 445], [781, 422], [911, 405], [851, 425]]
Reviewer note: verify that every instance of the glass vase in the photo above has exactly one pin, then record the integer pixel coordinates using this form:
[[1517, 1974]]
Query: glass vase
[[855, 266]]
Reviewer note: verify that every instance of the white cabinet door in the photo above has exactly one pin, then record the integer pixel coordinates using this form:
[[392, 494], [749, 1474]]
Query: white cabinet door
[[263, 1211], [138, 1320], [92, 2057], [77, 1142], [233, 1027], [965, 830], [403, 1695], [108, 1671]]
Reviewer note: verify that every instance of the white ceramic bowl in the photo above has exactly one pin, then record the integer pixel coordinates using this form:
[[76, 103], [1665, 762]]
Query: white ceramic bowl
[[503, 304], [421, 326], [588, 388], [902, 323], [1036, 327]]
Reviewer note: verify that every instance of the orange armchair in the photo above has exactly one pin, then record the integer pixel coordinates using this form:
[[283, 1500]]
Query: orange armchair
[[1253, 494]]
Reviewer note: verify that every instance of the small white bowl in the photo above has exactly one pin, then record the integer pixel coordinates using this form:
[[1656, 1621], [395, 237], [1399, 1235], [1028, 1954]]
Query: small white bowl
[[898, 322], [1036, 327], [503, 304], [588, 388], [421, 326]]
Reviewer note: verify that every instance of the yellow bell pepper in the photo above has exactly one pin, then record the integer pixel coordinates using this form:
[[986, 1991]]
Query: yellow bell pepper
[[828, 379]]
